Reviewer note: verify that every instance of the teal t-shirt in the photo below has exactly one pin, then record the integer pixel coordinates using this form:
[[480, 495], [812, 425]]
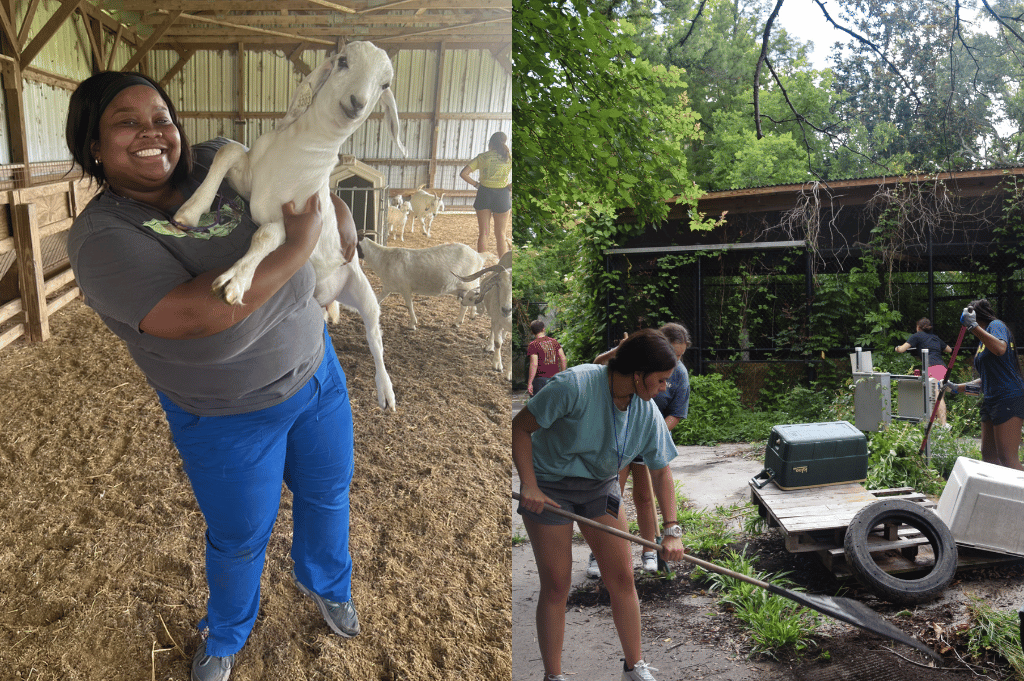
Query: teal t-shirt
[[583, 435]]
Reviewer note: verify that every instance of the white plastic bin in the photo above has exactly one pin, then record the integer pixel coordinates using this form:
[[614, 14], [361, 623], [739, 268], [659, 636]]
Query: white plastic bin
[[983, 505]]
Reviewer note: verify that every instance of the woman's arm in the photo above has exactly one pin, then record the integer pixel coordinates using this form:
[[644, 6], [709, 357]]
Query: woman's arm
[[533, 374], [523, 425], [903, 348], [665, 491], [996, 346], [191, 310], [465, 176]]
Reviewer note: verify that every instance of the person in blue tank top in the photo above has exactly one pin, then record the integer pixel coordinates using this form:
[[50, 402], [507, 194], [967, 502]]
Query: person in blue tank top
[[1002, 385], [568, 445]]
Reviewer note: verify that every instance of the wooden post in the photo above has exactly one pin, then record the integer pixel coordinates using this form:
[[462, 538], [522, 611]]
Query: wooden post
[[30, 271], [436, 127]]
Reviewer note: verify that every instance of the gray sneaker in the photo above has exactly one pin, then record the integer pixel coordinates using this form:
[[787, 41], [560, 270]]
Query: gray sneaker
[[209, 668], [340, 617]]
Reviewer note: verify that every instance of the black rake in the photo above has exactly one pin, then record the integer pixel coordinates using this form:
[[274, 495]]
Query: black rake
[[843, 609]]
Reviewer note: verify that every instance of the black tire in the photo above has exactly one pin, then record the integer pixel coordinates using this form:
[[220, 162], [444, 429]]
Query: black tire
[[894, 588]]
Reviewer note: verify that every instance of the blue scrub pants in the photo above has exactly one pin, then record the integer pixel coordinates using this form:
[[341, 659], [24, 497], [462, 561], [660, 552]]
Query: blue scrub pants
[[236, 465]]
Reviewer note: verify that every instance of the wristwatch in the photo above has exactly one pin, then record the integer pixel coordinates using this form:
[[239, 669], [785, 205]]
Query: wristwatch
[[673, 531]]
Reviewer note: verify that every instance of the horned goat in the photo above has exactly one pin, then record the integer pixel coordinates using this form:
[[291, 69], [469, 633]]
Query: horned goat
[[496, 295], [293, 162], [425, 206], [432, 271]]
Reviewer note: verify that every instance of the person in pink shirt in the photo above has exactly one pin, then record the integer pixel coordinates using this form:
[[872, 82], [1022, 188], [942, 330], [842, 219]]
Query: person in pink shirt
[[546, 358]]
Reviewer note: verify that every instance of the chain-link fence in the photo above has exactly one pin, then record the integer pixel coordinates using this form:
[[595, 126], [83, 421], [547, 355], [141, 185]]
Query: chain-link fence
[[776, 313]]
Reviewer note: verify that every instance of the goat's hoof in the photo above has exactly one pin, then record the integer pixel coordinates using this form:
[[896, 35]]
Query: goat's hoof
[[229, 289], [187, 216]]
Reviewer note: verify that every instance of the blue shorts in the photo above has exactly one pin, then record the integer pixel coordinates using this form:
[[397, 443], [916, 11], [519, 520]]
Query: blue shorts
[[1002, 410], [494, 200], [582, 496]]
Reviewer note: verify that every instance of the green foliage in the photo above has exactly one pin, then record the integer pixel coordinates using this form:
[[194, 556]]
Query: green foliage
[[894, 460], [594, 124], [707, 532], [995, 632], [773, 622]]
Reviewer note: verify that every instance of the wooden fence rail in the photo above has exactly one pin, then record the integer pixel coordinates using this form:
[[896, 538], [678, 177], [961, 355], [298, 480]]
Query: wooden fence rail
[[37, 281]]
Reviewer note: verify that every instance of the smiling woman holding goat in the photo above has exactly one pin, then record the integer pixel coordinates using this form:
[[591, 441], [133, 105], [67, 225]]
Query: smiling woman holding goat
[[253, 393], [568, 445]]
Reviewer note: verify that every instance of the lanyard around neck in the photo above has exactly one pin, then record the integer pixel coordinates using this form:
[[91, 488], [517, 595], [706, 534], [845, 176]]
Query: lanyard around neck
[[615, 430]]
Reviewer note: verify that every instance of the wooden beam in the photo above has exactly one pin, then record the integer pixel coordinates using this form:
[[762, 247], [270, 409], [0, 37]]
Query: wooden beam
[[248, 29], [503, 57], [144, 49], [94, 30], [47, 78], [240, 93], [9, 33], [113, 48], [30, 271], [333, 5], [26, 25], [183, 58], [436, 125], [296, 58], [32, 50], [14, 104]]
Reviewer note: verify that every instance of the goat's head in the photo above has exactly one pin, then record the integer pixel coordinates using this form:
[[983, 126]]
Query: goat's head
[[346, 87]]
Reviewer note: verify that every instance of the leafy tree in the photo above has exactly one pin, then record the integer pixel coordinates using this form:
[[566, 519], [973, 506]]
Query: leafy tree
[[595, 125]]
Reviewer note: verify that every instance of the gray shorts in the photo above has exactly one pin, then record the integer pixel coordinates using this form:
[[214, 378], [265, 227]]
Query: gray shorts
[[583, 496]]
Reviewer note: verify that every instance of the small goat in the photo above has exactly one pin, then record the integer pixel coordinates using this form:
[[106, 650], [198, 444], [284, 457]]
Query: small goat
[[432, 271], [496, 295], [293, 162], [425, 206], [396, 219]]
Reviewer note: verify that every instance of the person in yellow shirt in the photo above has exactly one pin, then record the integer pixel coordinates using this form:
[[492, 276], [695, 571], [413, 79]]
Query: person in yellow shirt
[[494, 191]]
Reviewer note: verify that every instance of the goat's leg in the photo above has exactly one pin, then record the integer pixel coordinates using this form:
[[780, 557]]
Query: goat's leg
[[232, 285], [357, 294], [412, 312], [231, 161]]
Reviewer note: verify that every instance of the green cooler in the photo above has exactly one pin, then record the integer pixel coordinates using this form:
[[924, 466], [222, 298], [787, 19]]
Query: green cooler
[[802, 455]]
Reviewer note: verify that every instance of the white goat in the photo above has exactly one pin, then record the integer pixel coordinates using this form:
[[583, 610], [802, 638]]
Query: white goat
[[293, 162], [396, 219], [496, 295], [432, 271], [425, 206]]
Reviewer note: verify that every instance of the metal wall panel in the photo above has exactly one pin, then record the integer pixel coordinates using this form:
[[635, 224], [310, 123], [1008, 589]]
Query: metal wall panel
[[46, 114]]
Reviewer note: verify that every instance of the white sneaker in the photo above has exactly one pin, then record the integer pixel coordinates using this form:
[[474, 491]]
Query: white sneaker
[[649, 561], [593, 571], [641, 672]]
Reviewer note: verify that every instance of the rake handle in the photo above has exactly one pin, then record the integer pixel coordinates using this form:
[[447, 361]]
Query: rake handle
[[711, 567]]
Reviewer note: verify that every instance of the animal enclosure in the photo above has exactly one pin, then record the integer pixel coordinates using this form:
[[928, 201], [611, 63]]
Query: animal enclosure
[[101, 542]]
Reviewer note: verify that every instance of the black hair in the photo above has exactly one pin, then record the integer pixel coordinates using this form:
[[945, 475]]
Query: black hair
[[498, 143], [86, 107], [645, 351], [924, 324], [536, 326]]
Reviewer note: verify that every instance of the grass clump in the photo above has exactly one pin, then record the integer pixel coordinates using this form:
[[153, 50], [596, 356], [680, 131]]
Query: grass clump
[[995, 633], [773, 622]]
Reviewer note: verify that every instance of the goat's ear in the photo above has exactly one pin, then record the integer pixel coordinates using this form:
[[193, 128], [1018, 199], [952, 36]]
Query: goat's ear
[[306, 92], [391, 110]]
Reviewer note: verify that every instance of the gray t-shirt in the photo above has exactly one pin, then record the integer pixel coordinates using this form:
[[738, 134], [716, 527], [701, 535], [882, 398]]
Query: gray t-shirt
[[127, 256]]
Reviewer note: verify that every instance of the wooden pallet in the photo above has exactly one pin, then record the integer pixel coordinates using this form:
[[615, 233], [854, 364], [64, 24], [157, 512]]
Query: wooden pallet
[[816, 518]]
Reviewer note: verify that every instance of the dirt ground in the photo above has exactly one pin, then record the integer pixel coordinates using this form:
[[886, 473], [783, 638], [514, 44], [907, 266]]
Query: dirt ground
[[101, 541], [687, 634]]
